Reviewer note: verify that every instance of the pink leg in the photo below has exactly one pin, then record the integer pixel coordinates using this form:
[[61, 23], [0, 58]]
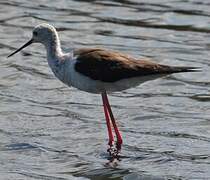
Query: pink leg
[[108, 122], [117, 132]]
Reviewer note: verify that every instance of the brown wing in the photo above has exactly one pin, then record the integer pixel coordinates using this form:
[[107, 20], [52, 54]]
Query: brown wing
[[109, 66]]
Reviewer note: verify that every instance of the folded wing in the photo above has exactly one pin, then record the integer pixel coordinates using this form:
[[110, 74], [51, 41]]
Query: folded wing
[[109, 66]]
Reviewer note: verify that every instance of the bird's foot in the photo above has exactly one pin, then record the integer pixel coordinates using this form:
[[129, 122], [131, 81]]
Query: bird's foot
[[118, 146], [113, 152]]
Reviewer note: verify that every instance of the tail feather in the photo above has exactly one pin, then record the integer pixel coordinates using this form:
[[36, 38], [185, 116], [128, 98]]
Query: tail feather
[[177, 69]]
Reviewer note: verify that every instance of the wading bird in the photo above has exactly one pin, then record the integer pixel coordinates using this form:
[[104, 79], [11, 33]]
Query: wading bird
[[97, 70]]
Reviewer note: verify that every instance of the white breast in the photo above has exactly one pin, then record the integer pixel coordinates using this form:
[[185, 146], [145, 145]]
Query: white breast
[[79, 81]]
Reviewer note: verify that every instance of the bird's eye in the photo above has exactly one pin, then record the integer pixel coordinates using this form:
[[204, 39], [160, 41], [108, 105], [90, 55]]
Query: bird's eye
[[35, 33]]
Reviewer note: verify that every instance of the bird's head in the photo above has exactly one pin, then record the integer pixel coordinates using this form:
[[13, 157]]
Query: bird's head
[[43, 33]]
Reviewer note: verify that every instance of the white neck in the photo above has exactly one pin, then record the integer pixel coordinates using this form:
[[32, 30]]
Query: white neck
[[54, 52], [53, 48]]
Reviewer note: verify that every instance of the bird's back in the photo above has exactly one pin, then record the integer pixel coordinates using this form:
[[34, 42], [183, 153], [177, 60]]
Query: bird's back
[[109, 66]]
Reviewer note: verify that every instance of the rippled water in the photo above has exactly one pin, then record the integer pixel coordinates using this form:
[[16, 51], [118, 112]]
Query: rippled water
[[50, 131]]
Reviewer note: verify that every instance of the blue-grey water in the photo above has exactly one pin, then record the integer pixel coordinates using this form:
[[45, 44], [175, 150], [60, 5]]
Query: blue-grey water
[[50, 131]]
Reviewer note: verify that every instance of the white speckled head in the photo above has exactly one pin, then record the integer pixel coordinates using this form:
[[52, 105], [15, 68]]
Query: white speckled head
[[45, 34], [48, 36]]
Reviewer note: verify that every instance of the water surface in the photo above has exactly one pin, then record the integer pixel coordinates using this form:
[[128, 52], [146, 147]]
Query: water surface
[[50, 131]]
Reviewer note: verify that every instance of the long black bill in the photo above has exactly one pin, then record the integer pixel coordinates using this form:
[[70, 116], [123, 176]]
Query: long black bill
[[25, 45]]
